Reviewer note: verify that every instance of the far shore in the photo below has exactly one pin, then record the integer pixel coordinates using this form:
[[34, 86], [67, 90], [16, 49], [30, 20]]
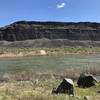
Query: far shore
[[23, 52]]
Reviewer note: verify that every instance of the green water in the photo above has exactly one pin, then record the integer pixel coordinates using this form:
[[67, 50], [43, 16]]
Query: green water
[[48, 62]]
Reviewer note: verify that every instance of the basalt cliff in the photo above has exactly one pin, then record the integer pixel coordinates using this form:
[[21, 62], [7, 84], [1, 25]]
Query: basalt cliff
[[50, 34]]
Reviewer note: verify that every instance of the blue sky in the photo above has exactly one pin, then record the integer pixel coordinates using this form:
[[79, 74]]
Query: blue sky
[[49, 10]]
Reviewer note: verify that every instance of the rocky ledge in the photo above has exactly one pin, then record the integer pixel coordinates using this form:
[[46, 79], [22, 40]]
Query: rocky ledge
[[66, 33]]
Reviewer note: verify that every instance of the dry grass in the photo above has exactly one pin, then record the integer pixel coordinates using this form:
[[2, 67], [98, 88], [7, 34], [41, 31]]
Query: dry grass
[[29, 75], [18, 52], [41, 90], [36, 85]]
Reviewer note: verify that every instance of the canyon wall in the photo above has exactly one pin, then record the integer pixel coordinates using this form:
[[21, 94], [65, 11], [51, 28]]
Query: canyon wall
[[50, 33]]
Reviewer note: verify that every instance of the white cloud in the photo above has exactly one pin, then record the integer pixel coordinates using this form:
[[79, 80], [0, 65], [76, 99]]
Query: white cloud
[[62, 5]]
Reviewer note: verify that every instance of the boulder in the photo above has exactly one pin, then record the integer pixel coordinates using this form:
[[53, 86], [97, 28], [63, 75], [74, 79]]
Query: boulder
[[43, 52], [86, 80], [66, 86]]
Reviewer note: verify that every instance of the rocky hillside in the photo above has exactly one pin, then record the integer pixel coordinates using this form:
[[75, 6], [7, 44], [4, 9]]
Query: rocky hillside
[[50, 34]]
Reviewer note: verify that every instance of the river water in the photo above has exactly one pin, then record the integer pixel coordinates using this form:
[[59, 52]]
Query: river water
[[49, 63]]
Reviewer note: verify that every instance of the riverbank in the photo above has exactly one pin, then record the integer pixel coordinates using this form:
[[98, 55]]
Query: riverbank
[[42, 90], [21, 52], [21, 79]]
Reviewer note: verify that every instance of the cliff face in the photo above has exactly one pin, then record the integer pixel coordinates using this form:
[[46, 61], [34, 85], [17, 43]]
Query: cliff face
[[25, 30]]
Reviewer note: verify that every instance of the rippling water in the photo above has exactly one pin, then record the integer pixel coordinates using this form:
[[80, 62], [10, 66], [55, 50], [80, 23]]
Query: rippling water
[[49, 62]]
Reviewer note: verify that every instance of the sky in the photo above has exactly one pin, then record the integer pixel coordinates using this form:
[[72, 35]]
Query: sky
[[49, 10]]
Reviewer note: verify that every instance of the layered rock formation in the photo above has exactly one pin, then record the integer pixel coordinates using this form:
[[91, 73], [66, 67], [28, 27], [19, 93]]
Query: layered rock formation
[[67, 34]]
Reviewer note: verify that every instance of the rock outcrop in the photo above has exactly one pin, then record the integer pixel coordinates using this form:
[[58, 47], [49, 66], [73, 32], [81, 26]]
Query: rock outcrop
[[86, 80], [66, 86], [67, 32]]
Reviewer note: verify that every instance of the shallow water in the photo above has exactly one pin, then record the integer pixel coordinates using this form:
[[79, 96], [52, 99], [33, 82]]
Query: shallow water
[[49, 62]]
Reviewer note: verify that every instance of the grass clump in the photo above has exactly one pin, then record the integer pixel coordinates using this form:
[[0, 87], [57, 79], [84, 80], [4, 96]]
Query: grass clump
[[42, 90]]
